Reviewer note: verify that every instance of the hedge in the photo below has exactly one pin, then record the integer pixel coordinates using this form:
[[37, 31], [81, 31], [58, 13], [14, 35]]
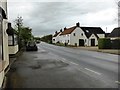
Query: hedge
[[115, 44], [104, 43]]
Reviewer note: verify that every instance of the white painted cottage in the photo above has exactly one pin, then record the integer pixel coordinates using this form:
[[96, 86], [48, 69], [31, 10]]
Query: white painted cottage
[[81, 36], [56, 37]]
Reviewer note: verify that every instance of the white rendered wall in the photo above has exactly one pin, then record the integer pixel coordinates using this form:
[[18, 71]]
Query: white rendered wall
[[78, 35], [13, 49], [92, 37]]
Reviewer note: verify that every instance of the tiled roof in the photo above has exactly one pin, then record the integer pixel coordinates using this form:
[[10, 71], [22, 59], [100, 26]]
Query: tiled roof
[[107, 34], [92, 30], [68, 30], [55, 35], [87, 30], [115, 33]]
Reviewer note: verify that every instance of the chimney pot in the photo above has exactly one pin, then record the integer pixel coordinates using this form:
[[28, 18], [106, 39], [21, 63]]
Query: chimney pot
[[65, 28], [60, 30], [78, 24], [56, 32]]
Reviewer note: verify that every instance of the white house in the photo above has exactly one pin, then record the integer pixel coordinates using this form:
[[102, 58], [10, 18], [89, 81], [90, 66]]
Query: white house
[[81, 36], [4, 54], [56, 37]]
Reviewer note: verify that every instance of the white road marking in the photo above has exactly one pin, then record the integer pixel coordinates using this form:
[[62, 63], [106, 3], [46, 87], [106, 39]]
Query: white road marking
[[117, 82], [74, 63], [64, 60], [93, 71]]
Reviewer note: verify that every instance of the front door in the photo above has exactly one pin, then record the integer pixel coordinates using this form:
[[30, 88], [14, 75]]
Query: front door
[[81, 42], [92, 42]]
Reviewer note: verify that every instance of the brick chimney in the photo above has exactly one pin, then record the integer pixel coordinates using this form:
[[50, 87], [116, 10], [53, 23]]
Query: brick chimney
[[56, 32], [65, 28], [78, 24], [60, 30]]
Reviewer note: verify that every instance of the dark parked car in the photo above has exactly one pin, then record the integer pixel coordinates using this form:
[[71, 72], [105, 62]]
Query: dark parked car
[[37, 41], [31, 46]]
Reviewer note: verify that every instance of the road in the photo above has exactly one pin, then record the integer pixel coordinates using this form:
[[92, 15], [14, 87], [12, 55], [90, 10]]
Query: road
[[63, 67]]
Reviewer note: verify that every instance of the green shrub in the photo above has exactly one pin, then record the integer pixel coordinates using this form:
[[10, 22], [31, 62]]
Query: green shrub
[[115, 44], [104, 43]]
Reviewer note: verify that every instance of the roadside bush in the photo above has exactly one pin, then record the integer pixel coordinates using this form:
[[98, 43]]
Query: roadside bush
[[104, 43], [60, 44], [115, 44]]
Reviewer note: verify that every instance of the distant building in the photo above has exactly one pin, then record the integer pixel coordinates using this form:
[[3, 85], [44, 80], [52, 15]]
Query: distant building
[[81, 36], [56, 37], [115, 34]]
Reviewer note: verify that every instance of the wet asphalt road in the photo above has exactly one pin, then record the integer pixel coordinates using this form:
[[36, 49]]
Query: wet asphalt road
[[61, 67]]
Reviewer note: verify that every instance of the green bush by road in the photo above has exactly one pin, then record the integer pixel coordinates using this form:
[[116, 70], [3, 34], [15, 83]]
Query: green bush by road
[[104, 43]]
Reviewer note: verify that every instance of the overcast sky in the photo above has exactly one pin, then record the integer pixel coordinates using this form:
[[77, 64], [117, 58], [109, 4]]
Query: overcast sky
[[47, 17]]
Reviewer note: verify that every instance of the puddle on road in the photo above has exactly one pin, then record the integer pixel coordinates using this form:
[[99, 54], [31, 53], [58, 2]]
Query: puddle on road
[[35, 67], [48, 64]]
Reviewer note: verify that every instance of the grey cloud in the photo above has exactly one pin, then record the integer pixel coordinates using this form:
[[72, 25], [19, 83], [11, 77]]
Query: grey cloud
[[47, 17]]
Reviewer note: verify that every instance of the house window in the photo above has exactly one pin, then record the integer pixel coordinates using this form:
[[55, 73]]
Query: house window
[[73, 34], [87, 31], [15, 40], [68, 41], [10, 40], [1, 39], [81, 34]]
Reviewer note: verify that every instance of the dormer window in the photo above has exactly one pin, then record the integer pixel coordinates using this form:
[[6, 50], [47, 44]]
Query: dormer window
[[81, 34], [87, 31]]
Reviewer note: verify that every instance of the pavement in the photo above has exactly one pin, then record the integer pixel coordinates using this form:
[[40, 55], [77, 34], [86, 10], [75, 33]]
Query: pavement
[[12, 60], [111, 51]]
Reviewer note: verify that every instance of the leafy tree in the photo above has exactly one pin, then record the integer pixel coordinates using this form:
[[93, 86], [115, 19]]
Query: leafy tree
[[47, 38], [37, 38], [19, 23], [24, 33]]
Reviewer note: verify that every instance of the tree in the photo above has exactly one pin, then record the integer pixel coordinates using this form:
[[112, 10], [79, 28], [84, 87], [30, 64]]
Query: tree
[[24, 33], [19, 24], [47, 38]]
